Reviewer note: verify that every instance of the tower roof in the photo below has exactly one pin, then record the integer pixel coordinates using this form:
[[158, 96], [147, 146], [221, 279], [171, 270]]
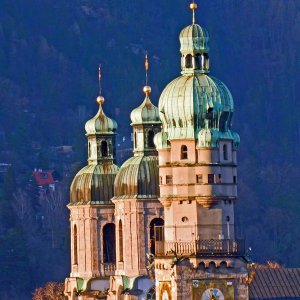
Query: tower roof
[[194, 39], [138, 178], [189, 100], [100, 123], [146, 113], [93, 184]]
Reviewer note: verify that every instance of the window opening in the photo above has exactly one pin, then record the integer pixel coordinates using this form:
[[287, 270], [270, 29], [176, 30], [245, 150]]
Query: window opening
[[109, 243], [225, 152], [120, 241], [199, 178], [151, 139], [104, 149], [188, 61], [211, 178], [156, 233], [184, 152], [75, 245], [169, 179]]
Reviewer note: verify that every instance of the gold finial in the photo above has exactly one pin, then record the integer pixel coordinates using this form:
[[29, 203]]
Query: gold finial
[[100, 98], [193, 7], [147, 88]]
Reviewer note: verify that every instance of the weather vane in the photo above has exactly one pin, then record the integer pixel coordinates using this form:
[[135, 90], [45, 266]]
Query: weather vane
[[99, 79], [147, 88], [146, 67]]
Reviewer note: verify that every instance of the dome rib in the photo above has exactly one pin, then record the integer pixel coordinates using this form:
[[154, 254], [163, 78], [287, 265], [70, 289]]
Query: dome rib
[[187, 101], [137, 178], [93, 184]]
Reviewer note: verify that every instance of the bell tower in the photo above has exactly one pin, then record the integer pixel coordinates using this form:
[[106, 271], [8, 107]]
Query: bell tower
[[92, 212], [137, 209], [199, 254]]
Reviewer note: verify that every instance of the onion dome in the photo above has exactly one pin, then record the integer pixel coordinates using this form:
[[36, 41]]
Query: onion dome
[[145, 113], [94, 184], [188, 101], [161, 140], [100, 123], [138, 178], [210, 138], [194, 38]]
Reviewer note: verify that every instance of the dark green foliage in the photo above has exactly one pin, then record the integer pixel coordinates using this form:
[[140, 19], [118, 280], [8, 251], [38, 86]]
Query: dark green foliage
[[49, 52]]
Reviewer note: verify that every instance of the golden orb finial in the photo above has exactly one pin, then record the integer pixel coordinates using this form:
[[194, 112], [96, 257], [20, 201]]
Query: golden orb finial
[[147, 89], [193, 7], [100, 100]]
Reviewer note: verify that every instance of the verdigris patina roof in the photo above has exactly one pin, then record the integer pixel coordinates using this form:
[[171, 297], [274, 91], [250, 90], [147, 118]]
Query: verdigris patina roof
[[100, 123], [194, 38], [94, 184], [185, 103], [146, 113], [138, 178]]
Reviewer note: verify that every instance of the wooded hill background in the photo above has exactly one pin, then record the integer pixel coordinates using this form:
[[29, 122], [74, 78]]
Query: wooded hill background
[[49, 53]]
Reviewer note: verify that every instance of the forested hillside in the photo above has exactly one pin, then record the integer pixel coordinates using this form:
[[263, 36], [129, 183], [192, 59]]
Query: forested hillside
[[49, 53]]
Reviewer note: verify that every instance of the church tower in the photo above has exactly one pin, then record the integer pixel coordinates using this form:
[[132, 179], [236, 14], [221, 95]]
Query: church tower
[[137, 209], [92, 212], [198, 251]]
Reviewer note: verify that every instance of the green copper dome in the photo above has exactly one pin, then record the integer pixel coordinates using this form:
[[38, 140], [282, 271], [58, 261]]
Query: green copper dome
[[138, 178], [145, 113], [210, 137], [94, 184], [189, 100], [100, 123], [161, 140], [194, 38]]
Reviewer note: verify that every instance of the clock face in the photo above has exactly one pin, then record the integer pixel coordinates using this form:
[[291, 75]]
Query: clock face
[[212, 294]]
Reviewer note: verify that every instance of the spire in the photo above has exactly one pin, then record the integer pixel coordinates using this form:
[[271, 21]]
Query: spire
[[147, 88], [193, 7], [100, 98]]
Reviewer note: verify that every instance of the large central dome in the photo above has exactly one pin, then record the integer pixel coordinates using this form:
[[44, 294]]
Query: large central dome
[[189, 100], [195, 100]]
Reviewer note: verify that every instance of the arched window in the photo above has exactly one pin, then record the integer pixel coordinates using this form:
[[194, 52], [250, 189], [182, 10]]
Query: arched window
[[120, 241], [184, 152], [206, 61], [135, 141], [109, 242], [225, 152], [104, 149], [156, 233], [151, 139], [75, 250], [189, 61], [198, 61]]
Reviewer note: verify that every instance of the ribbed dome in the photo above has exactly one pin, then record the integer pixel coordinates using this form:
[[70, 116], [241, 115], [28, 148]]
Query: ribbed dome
[[194, 38], [100, 123], [161, 140], [145, 113], [189, 100], [208, 138], [211, 137], [94, 184], [138, 178]]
